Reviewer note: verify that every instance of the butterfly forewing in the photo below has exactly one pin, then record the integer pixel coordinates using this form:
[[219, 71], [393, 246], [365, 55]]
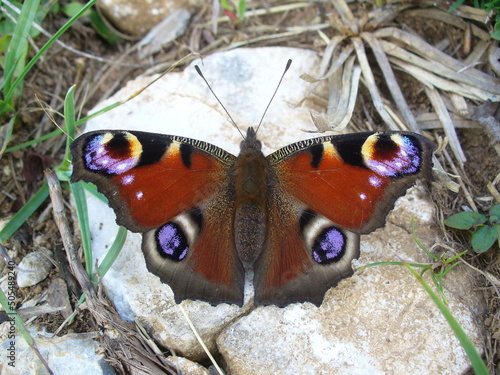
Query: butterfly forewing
[[353, 179]]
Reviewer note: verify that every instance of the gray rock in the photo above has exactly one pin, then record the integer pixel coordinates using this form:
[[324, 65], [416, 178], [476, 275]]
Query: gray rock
[[33, 268], [74, 354], [137, 17], [186, 367]]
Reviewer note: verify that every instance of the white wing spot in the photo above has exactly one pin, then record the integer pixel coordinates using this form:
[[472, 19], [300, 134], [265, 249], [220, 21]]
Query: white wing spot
[[128, 179], [374, 181]]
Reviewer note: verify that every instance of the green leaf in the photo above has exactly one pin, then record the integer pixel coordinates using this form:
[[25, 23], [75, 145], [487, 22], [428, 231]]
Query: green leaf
[[495, 35], [484, 238], [242, 7], [495, 214], [465, 220]]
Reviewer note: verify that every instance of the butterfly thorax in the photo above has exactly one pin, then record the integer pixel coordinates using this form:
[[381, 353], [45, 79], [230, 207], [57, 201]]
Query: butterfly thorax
[[250, 172]]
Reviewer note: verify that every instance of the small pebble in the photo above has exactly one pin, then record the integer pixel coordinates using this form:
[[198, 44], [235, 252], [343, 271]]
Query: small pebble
[[33, 268]]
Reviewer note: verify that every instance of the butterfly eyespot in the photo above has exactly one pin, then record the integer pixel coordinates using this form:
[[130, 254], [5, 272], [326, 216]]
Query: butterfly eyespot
[[391, 155], [174, 238], [171, 241], [112, 153], [327, 243], [329, 246]]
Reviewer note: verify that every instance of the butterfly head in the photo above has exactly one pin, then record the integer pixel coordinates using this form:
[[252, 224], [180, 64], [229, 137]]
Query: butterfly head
[[250, 143]]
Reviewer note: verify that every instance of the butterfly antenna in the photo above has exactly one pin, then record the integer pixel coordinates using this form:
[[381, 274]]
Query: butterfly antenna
[[289, 62], [198, 70]]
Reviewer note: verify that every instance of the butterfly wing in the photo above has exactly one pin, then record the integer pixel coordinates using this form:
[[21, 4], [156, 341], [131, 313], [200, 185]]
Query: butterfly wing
[[177, 192], [326, 191], [303, 256]]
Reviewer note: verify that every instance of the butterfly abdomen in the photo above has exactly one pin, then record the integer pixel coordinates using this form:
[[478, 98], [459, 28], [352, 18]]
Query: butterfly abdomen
[[250, 207], [249, 230], [250, 178]]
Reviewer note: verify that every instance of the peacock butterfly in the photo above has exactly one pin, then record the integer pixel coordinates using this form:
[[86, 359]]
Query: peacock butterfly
[[293, 218]]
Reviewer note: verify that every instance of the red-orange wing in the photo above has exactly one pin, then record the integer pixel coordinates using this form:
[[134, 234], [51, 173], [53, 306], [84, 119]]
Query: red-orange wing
[[353, 179]]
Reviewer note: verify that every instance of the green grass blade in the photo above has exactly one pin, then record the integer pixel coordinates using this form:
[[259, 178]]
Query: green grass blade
[[113, 252], [477, 362], [24, 213], [17, 44], [375, 264], [42, 51], [83, 220], [70, 120], [92, 189], [242, 7], [70, 116]]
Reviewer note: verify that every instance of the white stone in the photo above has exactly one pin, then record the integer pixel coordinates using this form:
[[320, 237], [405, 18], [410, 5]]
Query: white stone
[[69, 354], [33, 268], [378, 321]]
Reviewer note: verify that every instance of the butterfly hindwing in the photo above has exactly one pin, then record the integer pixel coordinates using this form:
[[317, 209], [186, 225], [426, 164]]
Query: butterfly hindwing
[[303, 257], [194, 254], [177, 192], [334, 188]]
